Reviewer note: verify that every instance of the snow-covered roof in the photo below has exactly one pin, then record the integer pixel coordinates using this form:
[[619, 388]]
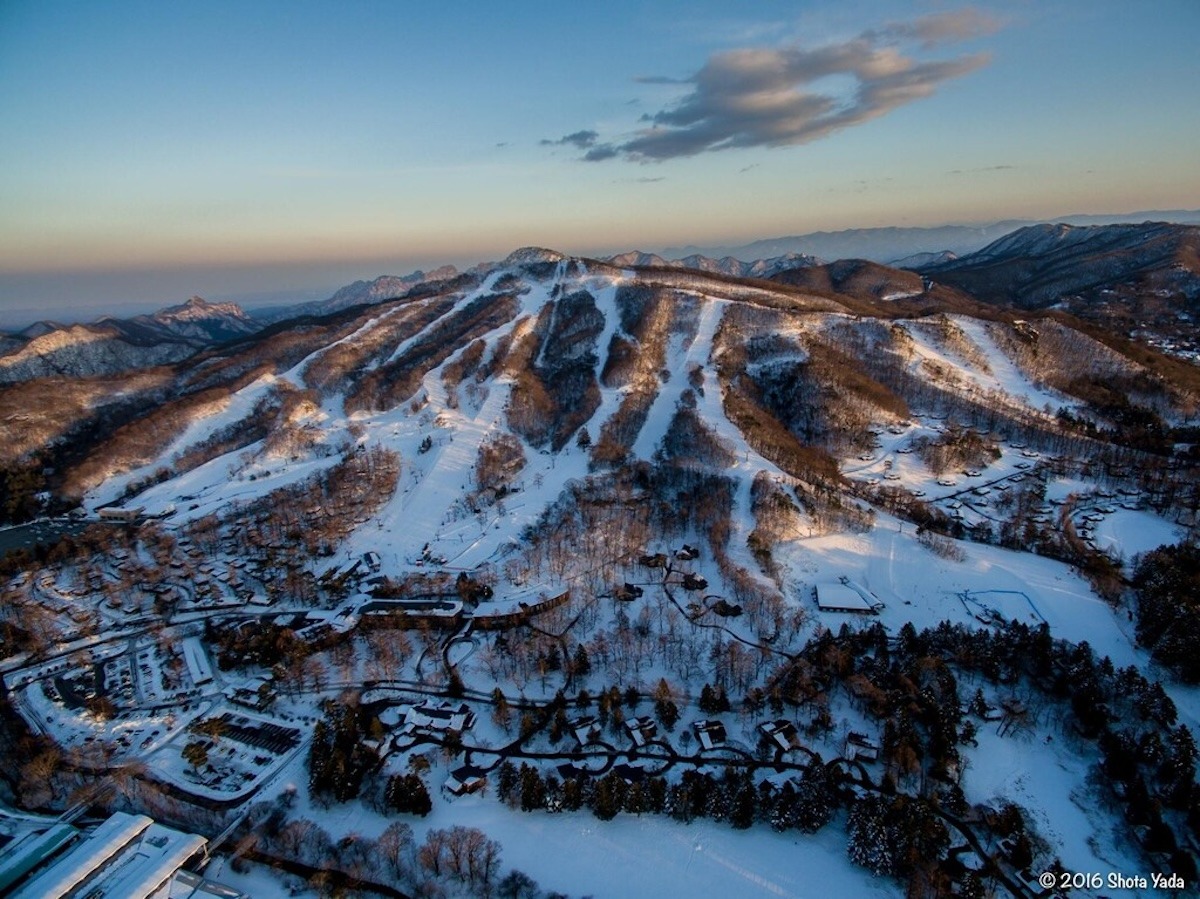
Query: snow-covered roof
[[106, 841], [838, 597], [439, 716], [25, 854], [197, 661]]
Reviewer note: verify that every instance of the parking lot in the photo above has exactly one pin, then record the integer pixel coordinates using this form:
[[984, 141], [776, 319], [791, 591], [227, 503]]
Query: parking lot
[[259, 734]]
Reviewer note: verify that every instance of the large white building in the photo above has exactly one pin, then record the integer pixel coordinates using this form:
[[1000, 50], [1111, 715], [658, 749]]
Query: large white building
[[126, 857]]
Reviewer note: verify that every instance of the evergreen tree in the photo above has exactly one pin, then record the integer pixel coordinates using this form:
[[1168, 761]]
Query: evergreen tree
[[581, 664], [558, 726], [517, 885], [616, 721], [971, 886], [507, 780], [608, 798], [501, 713], [533, 790], [867, 836], [667, 713], [784, 814], [745, 805], [407, 794], [1178, 769], [572, 795], [814, 802], [723, 700]]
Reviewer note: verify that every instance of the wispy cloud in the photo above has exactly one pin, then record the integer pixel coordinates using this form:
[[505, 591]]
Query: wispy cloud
[[986, 168], [769, 97], [940, 28], [580, 139]]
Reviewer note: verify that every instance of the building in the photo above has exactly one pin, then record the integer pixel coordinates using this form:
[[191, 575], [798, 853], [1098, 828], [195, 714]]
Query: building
[[710, 734], [197, 661], [782, 733], [586, 729], [466, 779], [839, 597], [859, 747], [439, 717], [128, 516], [126, 857], [23, 855], [642, 730]]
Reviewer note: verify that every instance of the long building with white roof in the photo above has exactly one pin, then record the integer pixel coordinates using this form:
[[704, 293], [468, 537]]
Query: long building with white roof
[[126, 857]]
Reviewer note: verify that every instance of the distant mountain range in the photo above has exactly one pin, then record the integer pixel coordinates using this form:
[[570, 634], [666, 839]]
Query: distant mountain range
[[894, 245], [758, 268], [385, 287], [111, 344]]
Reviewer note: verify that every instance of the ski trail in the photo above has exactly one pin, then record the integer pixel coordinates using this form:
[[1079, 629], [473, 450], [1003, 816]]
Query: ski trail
[[483, 290], [663, 408], [295, 373], [1007, 376]]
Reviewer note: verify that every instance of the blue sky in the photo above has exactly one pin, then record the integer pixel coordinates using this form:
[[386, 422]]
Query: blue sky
[[149, 151]]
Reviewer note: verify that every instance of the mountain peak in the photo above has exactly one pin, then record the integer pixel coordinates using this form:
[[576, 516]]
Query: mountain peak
[[532, 256], [197, 308]]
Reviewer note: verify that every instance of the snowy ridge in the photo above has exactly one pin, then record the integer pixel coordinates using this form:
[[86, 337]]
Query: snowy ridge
[[727, 265]]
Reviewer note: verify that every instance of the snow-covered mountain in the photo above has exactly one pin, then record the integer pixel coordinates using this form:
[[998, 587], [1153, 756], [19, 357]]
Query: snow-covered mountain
[[856, 278], [1036, 266], [917, 260], [197, 319], [1136, 281], [543, 347], [112, 345], [861, 504], [80, 351]]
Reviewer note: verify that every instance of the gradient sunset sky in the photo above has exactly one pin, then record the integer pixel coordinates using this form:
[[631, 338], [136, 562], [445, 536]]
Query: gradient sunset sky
[[150, 151]]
